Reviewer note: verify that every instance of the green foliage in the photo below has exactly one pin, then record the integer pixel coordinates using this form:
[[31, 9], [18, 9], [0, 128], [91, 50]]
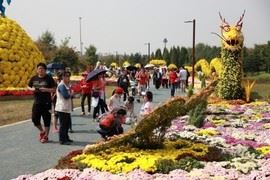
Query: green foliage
[[68, 57], [158, 54], [196, 115], [190, 91], [166, 165], [189, 163], [46, 44], [90, 55], [203, 82]]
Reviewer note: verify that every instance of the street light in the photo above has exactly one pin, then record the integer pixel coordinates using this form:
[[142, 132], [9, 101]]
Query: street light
[[148, 45], [193, 50], [81, 44]]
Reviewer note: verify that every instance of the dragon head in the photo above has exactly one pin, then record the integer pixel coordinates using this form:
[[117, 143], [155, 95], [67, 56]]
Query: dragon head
[[232, 37]]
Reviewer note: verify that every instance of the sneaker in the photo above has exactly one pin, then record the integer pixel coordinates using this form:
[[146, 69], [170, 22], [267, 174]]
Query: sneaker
[[83, 113], [41, 135], [45, 139]]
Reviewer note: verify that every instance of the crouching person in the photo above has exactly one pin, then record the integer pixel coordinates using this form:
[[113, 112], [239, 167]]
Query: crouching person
[[111, 124]]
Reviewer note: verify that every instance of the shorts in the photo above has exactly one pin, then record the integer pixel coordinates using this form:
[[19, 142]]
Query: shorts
[[41, 110]]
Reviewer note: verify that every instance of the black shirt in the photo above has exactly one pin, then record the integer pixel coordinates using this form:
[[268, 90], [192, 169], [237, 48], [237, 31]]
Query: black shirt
[[44, 82]]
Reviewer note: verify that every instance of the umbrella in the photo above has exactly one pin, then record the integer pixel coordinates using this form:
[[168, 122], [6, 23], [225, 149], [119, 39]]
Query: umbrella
[[55, 66], [94, 74], [149, 65], [132, 68]]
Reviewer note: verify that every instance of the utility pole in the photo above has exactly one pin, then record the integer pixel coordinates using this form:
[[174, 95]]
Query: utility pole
[[81, 44], [148, 47]]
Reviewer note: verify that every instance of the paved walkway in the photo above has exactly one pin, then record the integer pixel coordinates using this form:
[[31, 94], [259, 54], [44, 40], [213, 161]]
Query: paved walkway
[[22, 153]]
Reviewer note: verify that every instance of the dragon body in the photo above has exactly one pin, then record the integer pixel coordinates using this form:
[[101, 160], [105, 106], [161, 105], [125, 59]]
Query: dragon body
[[229, 86]]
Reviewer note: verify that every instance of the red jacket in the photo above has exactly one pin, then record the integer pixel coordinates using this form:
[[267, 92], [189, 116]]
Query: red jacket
[[86, 87], [172, 77]]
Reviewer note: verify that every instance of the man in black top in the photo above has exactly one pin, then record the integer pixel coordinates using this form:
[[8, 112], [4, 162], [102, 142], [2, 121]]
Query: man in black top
[[42, 85], [123, 82]]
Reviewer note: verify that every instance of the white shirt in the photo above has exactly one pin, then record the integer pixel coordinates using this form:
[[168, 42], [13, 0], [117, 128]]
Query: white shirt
[[146, 108], [183, 74]]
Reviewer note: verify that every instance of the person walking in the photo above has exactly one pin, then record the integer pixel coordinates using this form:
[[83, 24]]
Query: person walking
[[142, 78], [157, 78], [123, 82], [64, 107], [98, 91], [55, 115], [183, 75], [42, 85], [86, 88], [173, 81]]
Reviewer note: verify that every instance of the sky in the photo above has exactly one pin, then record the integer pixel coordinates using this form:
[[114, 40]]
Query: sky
[[125, 26]]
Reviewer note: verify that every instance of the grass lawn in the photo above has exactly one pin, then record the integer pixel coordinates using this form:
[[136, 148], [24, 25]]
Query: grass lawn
[[18, 110], [261, 89]]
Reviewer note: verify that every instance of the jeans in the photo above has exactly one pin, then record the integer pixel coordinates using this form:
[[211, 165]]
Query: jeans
[[173, 86]]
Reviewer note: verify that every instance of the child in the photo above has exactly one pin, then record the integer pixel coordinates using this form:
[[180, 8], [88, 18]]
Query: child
[[147, 106], [111, 124], [129, 105]]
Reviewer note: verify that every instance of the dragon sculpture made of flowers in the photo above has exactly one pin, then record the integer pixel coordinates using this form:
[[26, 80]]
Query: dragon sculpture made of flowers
[[229, 86]]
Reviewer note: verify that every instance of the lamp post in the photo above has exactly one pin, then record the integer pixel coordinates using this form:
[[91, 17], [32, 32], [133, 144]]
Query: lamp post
[[193, 50], [81, 44], [148, 47]]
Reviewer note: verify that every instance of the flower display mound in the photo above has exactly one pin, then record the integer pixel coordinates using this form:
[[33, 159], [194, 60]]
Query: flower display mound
[[125, 159], [238, 130], [19, 55]]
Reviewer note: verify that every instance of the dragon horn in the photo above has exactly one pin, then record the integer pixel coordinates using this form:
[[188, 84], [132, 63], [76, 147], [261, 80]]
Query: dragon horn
[[223, 20], [239, 23]]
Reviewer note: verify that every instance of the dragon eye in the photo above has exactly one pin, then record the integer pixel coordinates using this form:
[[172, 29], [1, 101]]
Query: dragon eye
[[226, 28]]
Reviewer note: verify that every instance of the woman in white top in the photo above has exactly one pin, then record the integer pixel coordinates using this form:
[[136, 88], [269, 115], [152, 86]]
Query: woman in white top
[[147, 106], [63, 107], [115, 99]]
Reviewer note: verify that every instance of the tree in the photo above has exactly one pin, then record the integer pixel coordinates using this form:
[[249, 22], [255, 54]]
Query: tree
[[90, 55], [158, 54], [67, 56], [46, 44], [173, 55], [166, 55], [184, 56]]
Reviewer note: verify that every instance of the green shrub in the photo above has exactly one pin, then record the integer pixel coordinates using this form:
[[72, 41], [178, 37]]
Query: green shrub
[[166, 165], [188, 164], [190, 91], [196, 115]]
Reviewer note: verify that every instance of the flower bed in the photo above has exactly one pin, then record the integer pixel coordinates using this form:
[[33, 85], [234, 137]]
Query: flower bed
[[240, 133]]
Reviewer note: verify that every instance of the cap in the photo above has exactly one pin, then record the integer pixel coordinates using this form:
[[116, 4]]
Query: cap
[[119, 90]]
